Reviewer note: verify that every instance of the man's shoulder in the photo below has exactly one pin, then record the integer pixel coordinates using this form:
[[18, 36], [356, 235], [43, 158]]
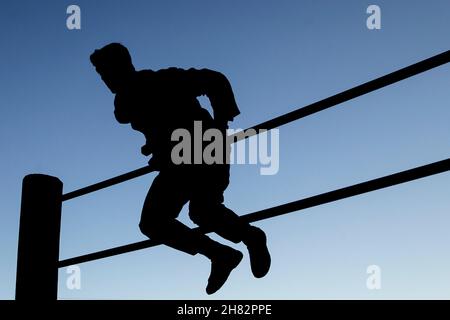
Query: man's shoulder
[[144, 74], [158, 75], [174, 75], [172, 71]]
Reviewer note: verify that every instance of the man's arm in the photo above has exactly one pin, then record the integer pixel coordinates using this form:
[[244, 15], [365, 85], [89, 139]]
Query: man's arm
[[218, 89], [121, 112], [122, 115]]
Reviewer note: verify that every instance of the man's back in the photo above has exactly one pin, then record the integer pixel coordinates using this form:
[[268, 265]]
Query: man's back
[[158, 102], [161, 98]]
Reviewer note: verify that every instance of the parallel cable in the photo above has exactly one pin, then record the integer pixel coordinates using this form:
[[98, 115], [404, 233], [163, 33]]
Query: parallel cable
[[303, 112], [323, 198]]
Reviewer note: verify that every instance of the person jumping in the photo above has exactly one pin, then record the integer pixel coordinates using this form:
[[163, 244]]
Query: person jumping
[[156, 103]]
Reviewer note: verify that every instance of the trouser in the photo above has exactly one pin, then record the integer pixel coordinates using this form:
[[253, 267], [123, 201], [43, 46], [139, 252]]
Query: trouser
[[202, 186]]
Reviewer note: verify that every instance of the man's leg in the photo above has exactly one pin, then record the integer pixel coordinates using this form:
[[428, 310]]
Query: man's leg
[[207, 210], [163, 203]]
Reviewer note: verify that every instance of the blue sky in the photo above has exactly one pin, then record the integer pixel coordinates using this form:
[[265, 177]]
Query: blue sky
[[57, 118]]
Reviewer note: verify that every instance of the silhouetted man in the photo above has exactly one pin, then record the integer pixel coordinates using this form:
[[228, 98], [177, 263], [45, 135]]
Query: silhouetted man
[[156, 103]]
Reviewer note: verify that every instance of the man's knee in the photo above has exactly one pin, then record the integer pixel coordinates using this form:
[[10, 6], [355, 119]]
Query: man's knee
[[206, 214], [153, 228], [146, 228]]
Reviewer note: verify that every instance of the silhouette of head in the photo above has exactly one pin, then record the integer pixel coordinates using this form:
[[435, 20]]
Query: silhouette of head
[[113, 63]]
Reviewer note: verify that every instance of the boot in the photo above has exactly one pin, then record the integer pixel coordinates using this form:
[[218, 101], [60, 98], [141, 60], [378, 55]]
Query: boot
[[222, 263], [256, 243]]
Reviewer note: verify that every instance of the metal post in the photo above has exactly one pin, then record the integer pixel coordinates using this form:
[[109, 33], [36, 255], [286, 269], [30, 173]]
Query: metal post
[[38, 252]]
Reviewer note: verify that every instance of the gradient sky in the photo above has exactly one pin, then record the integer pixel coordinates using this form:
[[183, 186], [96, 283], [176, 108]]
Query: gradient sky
[[57, 118]]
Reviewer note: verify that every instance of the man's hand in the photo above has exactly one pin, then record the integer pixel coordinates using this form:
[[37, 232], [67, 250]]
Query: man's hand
[[221, 124], [146, 150], [154, 164]]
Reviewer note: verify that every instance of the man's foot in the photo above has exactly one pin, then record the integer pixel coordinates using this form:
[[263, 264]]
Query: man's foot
[[221, 267], [256, 243]]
